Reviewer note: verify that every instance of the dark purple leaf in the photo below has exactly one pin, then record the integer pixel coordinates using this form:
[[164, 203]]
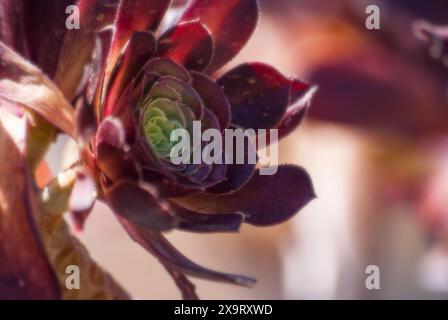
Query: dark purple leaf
[[167, 187], [237, 175], [204, 222], [165, 67], [265, 200], [139, 206]]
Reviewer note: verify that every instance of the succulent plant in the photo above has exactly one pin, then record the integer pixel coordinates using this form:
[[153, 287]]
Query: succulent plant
[[133, 86]]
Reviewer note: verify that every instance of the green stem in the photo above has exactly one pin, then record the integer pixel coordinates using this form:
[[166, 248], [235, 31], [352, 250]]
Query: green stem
[[54, 197]]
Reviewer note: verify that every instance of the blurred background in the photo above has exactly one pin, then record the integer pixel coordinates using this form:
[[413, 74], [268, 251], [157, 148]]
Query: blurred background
[[375, 144]]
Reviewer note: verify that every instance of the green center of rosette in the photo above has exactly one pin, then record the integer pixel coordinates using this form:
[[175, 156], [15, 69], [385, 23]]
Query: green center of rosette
[[161, 117]]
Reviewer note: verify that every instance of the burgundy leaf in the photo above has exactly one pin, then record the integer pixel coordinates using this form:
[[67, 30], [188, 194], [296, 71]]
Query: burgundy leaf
[[166, 67], [300, 95], [213, 97], [259, 95], [203, 222], [188, 44], [167, 188], [265, 200], [230, 22], [111, 131], [169, 256], [111, 154], [132, 16], [141, 47], [236, 177], [137, 205], [114, 163]]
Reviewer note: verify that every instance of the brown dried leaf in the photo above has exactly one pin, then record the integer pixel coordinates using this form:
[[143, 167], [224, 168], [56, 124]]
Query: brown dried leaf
[[23, 83]]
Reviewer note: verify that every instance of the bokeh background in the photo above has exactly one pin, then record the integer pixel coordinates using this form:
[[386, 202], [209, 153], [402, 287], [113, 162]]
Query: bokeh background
[[375, 144]]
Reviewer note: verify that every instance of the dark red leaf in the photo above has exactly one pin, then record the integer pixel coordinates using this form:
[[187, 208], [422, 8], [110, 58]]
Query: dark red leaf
[[189, 44], [111, 131], [132, 16], [259, 95], [213, 98], [169, 256], [141, 47], [230, 22], [111, 154], [300, 95], [114, 163]]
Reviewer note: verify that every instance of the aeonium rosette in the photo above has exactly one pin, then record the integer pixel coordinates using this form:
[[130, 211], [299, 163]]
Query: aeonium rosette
[[144, 85]]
